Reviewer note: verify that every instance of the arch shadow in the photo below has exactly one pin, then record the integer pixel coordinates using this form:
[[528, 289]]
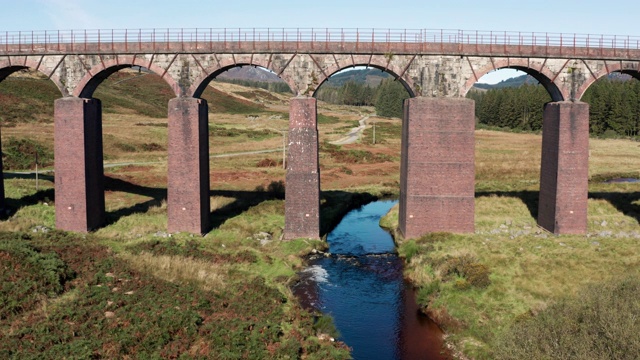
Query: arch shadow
[[528, 197]]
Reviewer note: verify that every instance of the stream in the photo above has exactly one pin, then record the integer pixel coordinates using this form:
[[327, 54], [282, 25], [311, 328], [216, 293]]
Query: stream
[[360, 284]]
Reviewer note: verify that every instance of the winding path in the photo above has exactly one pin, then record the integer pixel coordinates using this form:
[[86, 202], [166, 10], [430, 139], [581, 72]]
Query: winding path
[[354, 134]]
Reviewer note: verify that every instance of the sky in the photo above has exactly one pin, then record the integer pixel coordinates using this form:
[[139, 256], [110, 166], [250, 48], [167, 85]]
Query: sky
[[553, 16]]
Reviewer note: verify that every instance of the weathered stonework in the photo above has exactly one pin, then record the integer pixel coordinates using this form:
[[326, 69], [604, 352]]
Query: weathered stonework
[[437, 168], [79, 174], [302, 191], [188, 204], [437, 174], [564, 170]]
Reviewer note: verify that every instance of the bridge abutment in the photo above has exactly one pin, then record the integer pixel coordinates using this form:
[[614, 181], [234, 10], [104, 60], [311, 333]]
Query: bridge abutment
[[302, 191], [437, 170], [564, 170], [79, 172], [188, 204]]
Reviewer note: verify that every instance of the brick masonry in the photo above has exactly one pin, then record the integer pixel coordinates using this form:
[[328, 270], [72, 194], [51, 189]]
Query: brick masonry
[[3, 204], [564, 170], [79, 173], [437, 170], [188, 203], [302, 191]]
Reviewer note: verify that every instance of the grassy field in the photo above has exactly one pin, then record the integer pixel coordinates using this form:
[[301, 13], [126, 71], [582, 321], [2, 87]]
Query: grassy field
[[482, 286], [226, 294]]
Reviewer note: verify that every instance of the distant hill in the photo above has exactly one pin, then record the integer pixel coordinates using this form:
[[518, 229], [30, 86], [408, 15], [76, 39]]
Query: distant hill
[[512, 82], [372, 77], [528, 79], [249, 73]]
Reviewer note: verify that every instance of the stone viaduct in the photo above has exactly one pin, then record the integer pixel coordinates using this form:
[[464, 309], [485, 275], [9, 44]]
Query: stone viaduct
[[437, 68]]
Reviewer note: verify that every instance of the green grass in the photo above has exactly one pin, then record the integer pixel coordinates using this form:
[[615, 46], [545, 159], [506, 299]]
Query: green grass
[[528, 269], [116, 305]]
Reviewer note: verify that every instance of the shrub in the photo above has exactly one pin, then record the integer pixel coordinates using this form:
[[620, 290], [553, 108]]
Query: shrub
[[20, 154], [599, 323], [467, 267], [28, 275]]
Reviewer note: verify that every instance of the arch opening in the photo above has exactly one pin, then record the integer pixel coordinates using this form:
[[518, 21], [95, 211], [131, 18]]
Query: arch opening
[[360, 124], [614, 105], [247, 131], [26, 120], [614, 128], [130, 125], [246, 74], [509, 115]]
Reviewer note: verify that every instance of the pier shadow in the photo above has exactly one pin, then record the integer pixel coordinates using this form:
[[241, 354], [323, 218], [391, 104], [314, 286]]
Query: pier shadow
[[335, 204], [627, 203], [244, 200], [41, 196], [156, 194]]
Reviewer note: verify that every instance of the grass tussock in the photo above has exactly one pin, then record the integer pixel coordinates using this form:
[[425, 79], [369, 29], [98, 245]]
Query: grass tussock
[[178, 269]]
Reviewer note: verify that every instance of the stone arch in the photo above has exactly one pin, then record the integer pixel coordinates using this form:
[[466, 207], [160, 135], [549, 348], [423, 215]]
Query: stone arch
[[388, 68], [544, 76], [94, 77], [6, 69], [606, 70], [226, 63]]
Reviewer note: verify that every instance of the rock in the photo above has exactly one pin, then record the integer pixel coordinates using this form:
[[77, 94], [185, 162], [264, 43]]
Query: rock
[[110, 275], [109, 314], [161, 234], [603, 223], [40, 229], [129, 292], [263, 237]]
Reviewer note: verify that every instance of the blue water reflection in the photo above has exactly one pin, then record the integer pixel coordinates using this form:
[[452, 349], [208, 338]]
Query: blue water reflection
[[362, 287]]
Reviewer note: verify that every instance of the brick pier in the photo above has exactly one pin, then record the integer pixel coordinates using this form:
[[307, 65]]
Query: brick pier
[[188, 204], [437, 171], [302, 191], [564, 171], [79, 175]]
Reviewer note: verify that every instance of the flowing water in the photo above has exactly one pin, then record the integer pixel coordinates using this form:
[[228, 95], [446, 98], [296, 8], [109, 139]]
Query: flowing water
[[360, 284]]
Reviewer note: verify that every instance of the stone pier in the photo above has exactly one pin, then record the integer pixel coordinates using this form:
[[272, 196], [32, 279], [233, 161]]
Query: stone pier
[[79, 173], [437, 170], [564, 171], [188, 204], [302, 191]]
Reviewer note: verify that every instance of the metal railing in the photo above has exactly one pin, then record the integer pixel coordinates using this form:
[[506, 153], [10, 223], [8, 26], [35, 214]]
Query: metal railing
[[64, 40]]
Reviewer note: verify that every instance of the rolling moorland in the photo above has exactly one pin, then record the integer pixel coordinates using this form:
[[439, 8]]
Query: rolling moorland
[[131, 290]]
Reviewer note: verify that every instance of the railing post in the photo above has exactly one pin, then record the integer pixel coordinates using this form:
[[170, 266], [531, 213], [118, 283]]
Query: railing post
[[327, 39]]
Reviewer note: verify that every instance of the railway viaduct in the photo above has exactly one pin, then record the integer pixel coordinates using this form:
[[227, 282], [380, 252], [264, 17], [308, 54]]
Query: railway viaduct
[[437, 68]]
